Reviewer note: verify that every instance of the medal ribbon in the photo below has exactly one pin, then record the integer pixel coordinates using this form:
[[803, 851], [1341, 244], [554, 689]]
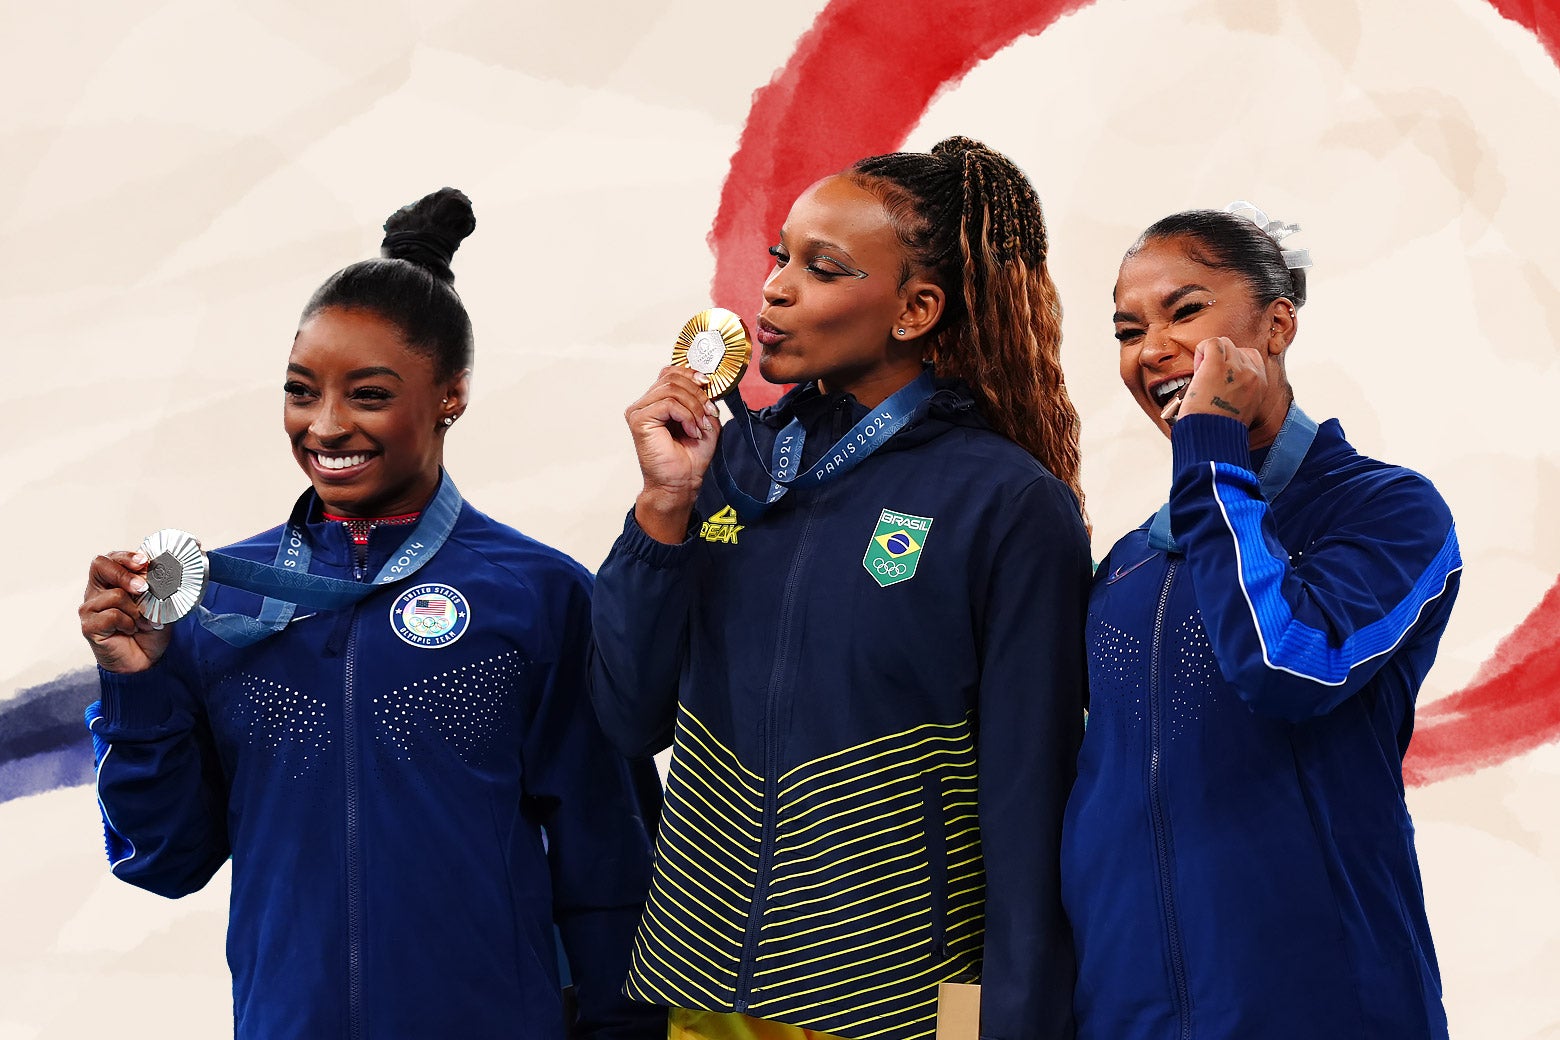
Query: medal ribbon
[[288, 584], [866, 437], [1278, 469]]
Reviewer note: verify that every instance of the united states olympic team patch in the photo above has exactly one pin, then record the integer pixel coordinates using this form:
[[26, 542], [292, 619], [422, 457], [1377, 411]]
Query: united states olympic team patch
[[430, 615]]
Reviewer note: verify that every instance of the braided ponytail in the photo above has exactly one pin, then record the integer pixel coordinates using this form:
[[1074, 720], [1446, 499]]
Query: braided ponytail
[[969, 217]]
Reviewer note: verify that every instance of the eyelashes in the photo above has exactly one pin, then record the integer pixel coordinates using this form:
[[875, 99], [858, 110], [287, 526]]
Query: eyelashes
[[1184, 312], [823, 267], [365, 395]]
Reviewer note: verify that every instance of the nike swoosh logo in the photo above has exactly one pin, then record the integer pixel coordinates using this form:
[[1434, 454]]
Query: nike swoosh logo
[[1121, 572]]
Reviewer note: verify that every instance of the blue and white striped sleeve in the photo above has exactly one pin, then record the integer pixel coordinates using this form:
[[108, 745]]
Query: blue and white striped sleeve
[[1300, 629]]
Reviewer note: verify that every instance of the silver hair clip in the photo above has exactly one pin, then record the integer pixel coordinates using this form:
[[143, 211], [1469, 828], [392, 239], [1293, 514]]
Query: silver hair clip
[[1277, 230]]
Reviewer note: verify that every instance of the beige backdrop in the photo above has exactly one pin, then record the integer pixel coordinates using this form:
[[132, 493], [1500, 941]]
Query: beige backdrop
[[177, 177]]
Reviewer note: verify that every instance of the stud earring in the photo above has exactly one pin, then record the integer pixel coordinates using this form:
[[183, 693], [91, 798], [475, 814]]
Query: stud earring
[[449, 420], [900, 331]]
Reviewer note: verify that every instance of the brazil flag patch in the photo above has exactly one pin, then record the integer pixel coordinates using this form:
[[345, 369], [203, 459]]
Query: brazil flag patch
[[895, 547]]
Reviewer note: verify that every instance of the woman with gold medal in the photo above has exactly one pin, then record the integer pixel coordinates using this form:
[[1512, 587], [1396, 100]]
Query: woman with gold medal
[[862, 635]]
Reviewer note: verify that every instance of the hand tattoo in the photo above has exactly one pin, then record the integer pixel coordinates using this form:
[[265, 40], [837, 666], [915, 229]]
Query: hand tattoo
[[1219, 402]]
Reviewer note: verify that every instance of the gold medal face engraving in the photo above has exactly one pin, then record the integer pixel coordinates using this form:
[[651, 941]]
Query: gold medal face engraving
[[175, 578], [706, 351], [714, 342]]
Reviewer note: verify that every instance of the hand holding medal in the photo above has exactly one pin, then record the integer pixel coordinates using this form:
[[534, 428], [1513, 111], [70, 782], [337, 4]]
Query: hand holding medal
[[676, 425], [122, 638], [132, 596]]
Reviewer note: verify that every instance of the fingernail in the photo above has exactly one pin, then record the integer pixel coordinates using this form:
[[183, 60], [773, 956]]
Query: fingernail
[[139, 559], [157, 625], [137, 585], [701, 378], [706, 425], [710, 409]]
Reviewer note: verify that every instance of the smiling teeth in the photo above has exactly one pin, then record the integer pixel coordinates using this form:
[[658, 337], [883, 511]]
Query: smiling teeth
[[341, 461], [1164, 391]]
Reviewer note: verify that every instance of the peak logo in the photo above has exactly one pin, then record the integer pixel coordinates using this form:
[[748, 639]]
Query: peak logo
[[722, 528]]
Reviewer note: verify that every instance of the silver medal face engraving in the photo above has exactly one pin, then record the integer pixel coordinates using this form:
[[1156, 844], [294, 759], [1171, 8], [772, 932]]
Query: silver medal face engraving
[[164, 575], [175, 578]]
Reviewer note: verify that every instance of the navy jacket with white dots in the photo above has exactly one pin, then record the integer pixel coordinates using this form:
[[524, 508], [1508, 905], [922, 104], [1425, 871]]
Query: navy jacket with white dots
[[1238, 859], [406, 822]]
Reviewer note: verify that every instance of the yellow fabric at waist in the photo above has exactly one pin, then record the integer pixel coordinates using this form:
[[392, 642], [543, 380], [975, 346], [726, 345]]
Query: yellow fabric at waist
[[685, 1024]]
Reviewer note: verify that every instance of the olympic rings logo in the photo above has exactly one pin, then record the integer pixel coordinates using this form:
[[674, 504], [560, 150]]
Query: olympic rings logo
[[426, 626], [889, 568]]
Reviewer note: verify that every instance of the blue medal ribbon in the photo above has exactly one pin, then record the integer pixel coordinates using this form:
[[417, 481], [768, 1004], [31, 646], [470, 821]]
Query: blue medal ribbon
[[1278, 469], [287, 584], [871, 433]]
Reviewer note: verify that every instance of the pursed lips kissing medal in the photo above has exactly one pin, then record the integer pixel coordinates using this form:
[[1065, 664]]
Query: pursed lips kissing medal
[[714, 342]]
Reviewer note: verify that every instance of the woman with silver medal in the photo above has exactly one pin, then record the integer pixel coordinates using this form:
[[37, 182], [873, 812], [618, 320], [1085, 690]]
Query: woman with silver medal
[[376, 710], [861, 637], [1238, 860]]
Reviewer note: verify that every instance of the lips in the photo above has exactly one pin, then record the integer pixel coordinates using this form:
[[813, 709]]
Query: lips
[[767, 334]]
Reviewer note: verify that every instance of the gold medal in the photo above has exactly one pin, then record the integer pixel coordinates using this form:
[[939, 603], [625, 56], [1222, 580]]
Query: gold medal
[[714, 342]]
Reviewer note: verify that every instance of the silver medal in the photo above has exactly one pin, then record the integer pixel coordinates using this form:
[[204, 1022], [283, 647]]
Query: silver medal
[[175, 577]]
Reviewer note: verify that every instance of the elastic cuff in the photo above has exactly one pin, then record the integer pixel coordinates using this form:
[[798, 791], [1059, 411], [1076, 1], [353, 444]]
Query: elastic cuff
[[1199, 439], [135, 702], [642, 547]]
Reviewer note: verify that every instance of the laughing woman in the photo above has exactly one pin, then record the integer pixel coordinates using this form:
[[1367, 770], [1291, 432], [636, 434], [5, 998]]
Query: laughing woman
[[872, 689], [381, 774], [1238, 859]]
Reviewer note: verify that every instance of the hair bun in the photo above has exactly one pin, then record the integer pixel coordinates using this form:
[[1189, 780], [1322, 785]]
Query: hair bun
[[428, 231]]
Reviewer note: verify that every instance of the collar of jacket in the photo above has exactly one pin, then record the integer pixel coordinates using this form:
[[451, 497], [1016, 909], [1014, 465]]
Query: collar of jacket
[[1330, 443], [332, 546]]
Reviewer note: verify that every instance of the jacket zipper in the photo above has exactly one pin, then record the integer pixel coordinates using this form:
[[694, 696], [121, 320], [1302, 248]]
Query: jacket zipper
[[354, 851], [1162, 845], [777, 683]]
